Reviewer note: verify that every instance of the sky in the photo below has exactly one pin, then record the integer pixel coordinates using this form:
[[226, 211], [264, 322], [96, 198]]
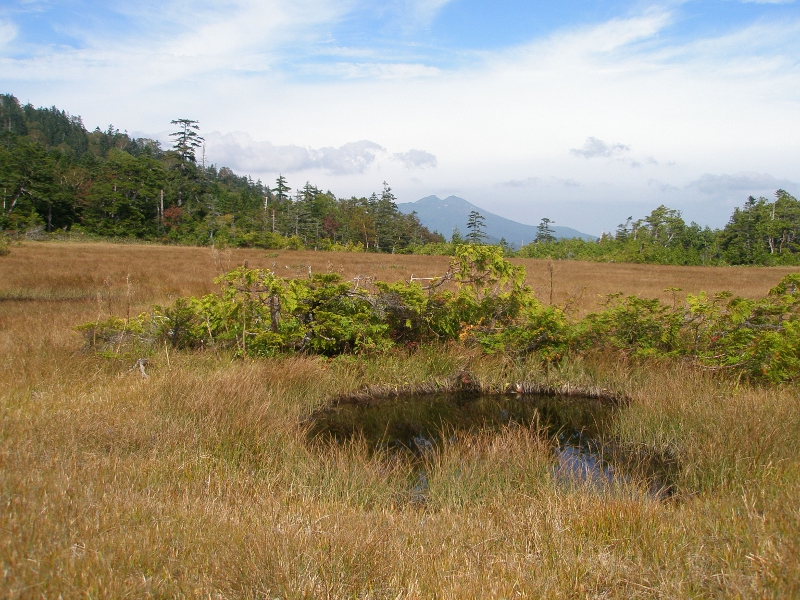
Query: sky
[[584, 112]]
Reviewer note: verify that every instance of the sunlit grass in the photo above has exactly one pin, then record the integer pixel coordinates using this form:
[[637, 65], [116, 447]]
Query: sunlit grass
[[200, 480]]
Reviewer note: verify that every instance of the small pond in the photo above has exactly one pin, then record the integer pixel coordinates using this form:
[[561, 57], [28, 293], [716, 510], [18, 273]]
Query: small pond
[[416, 425]]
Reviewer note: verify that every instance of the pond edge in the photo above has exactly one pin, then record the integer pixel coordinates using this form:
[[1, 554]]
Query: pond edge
[[464, 383]]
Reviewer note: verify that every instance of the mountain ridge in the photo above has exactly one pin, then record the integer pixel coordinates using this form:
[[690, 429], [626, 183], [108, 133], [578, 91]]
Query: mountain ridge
[[443, 215]]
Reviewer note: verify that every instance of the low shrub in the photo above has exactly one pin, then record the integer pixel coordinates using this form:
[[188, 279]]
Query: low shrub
[[481, 300]]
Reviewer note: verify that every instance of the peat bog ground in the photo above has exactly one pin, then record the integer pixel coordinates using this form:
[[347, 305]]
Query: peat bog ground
[[205, 479]]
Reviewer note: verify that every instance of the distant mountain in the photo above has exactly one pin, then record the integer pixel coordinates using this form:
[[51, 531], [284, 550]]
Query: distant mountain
[[443, 215]]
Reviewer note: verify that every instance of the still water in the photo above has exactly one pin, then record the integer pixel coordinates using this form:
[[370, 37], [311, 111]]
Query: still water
[[581, 430]]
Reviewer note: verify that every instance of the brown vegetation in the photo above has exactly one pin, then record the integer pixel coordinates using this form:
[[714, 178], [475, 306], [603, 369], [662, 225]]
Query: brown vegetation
[[160, 273], [199, 480]]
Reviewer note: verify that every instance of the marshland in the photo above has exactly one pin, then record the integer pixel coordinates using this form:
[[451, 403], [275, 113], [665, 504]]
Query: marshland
[[206, 478]]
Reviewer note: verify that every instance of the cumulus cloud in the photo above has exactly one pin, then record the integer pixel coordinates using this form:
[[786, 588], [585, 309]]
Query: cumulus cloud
[[241, 152], [416, 159], [353, 157], [594, 148], [749, 182]]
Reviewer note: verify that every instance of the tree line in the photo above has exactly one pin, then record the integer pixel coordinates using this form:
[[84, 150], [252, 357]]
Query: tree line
[[55, 175], [762, 232]]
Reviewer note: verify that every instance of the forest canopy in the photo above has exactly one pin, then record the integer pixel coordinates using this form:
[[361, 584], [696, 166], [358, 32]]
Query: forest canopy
[[56, 175]]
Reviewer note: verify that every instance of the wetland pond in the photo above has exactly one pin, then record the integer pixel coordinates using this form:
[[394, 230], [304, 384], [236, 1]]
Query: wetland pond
[[580, 429]]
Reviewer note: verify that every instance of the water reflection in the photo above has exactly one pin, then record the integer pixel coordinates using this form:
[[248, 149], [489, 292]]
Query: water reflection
[[577, 464], [419, 425]]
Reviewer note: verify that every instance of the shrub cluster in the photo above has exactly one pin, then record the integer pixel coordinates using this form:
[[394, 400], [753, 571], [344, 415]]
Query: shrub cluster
[[481, 300], [762, 232]]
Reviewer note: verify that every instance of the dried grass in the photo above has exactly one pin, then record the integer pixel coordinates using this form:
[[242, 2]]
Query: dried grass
[[200, 480]]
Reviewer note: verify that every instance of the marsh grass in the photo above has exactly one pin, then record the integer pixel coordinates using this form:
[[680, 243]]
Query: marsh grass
[[200, 479]]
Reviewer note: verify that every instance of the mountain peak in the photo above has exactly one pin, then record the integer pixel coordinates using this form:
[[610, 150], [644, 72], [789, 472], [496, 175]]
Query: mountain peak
[[444, 215]]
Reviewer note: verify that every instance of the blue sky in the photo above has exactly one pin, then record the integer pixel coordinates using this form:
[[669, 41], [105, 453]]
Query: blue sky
[[582, 111]]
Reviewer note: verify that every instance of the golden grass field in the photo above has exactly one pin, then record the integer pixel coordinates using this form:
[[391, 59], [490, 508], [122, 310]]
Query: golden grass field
[[199, 481], [159, 273]]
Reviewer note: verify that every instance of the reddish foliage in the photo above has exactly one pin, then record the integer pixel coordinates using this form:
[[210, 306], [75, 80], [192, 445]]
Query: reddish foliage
[[173, 215]]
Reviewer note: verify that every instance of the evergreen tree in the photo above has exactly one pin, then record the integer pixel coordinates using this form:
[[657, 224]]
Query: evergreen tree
[[763, 232], [544, 233], [281, 189], [388, 222], [476, 224], [623, 230], [12, 118], [186, 140]]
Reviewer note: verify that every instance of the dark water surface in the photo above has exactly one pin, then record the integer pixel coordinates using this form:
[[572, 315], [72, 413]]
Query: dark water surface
[[581, 429]]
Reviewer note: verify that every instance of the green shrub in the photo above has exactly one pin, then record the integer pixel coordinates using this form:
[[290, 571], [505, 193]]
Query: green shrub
[[257, 313], [636, 325]]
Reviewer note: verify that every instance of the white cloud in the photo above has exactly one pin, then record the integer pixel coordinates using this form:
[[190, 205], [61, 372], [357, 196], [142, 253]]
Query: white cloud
[[376, 70], [551, 182], [746, 182], [408, 15], [662, 186], [594, 148], [8, 31], [567, 182], [353, 157], [600, 39], [231, 29], [244, 154], [713, 104], [520, 183], [169, 41], [416, 159], [426, 10]]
